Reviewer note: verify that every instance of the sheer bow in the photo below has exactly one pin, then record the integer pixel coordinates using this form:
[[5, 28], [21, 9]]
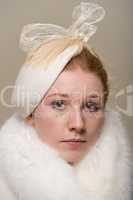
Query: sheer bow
[[85, 15]]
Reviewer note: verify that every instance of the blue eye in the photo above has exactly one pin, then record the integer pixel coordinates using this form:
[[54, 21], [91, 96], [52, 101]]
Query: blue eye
[[58, 104], [92, 107]]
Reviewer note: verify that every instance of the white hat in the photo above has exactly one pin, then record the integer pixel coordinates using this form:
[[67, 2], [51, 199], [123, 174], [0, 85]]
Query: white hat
[[56, 46]]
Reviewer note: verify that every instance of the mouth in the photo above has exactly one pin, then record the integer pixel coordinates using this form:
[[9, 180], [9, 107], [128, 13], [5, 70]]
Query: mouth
[[73, 144], [74, 140]]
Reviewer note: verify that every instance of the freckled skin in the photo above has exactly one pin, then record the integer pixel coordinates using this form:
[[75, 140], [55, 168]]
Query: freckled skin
[[68, 118]]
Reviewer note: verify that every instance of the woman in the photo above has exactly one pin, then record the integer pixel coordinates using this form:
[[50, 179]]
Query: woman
[[62, 144]]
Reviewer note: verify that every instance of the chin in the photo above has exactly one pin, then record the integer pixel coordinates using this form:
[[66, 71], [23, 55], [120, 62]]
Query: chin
[[72, 157]]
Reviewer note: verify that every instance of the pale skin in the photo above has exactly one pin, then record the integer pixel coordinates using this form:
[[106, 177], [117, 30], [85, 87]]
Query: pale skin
[[70, 117]]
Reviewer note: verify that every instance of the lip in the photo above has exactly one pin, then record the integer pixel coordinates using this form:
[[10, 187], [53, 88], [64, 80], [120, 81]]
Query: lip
[[73, 144], [74, 140]]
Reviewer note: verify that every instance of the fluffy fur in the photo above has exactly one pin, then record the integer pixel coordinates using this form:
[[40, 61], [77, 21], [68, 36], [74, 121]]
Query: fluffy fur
[[34, 171]]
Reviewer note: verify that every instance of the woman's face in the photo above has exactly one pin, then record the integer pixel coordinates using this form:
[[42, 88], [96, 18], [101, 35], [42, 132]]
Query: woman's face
[[71, 115]]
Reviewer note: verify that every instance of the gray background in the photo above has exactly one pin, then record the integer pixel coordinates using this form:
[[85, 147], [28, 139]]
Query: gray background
[[113, 42]]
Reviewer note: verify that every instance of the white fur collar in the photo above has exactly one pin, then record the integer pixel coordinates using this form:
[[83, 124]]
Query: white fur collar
[[34, 171]]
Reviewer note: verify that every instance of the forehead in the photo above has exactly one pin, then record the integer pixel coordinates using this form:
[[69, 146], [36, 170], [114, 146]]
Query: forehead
[[77, 82]]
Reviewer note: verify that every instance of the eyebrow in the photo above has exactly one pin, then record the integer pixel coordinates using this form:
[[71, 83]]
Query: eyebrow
[[58, 94], [66, 95]]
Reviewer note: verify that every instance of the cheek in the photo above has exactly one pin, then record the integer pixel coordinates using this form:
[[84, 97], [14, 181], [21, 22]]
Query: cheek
[[48, 126], [94, 126]]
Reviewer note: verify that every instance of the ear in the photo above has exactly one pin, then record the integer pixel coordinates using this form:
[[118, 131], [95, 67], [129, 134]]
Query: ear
[[30, 120]]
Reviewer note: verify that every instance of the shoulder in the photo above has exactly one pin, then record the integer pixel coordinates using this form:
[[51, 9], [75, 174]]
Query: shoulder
[[5, 193]]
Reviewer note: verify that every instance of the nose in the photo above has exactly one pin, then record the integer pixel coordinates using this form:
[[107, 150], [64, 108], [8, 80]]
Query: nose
[[76, 121]]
